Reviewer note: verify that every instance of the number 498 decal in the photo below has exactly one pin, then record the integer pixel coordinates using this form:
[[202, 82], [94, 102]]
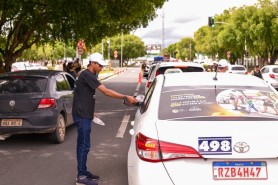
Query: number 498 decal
[[215, 145]]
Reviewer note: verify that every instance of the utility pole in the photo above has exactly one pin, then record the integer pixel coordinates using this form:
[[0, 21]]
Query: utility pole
[[108, 42], [122, 39], [163, 34]]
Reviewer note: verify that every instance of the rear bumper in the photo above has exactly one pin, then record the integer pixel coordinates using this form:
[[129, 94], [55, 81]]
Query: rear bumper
[[35, 122]]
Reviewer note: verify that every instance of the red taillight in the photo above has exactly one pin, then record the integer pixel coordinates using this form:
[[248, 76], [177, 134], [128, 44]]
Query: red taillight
[[271, 75], [149, 84], [156, 73], [152, 150], [46, 103]]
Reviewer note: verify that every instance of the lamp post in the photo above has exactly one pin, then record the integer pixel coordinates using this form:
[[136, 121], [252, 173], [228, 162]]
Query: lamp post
[[108, 42]]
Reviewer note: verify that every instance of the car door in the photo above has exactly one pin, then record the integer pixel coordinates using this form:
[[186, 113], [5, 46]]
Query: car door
[[64, 87]]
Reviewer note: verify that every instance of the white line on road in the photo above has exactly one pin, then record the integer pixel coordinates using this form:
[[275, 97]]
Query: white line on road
[[123, 126]]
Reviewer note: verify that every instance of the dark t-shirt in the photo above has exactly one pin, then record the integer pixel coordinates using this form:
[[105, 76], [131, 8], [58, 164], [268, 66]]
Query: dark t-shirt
[[84, 95]]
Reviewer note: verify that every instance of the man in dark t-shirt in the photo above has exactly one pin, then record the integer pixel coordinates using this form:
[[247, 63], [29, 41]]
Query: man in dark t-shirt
[[83, 112]]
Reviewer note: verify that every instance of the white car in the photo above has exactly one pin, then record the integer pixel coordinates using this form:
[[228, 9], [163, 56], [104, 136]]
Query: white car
[[161, 67], [184, 133], [237, 69], [270, 75], [19, 66]]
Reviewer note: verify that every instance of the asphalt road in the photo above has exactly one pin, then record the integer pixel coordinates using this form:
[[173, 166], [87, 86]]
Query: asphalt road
[[32, 160]]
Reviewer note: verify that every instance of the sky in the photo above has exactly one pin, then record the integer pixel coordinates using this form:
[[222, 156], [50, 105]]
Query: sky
[[184, 17]]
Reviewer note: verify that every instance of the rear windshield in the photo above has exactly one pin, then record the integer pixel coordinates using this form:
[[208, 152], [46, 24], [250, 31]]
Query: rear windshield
[[238, 68], [220, 103], [21, 84], [162, 70]]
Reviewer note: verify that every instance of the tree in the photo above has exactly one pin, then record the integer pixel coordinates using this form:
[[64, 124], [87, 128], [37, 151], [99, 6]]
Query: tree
[[24, 23], [133, 47]]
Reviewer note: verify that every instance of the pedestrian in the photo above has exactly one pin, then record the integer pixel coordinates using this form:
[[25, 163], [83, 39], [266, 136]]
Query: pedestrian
[[143, 66], [222, 66], [256, 72], [83, 113]]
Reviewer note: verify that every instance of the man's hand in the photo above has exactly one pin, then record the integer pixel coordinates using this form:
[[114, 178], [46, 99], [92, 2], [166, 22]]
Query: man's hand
[[130, 100]]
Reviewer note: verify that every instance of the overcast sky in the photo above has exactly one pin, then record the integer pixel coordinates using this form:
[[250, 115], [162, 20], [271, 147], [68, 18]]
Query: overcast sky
[[183, 17]]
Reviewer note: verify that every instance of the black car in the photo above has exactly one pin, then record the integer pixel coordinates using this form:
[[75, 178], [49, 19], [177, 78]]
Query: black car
[[36, 101]]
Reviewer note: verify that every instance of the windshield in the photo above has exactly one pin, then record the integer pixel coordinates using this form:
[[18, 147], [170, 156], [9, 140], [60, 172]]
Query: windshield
[[218, 103]]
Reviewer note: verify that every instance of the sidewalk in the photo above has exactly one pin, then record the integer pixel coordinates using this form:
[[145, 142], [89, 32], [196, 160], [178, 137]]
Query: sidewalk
[[117, 71]]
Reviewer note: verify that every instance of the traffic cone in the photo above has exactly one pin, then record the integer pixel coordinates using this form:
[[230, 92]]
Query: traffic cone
[[140, 77]]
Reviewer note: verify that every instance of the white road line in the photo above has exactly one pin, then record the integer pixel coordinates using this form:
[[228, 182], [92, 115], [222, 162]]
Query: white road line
[[137, 89], [123, 126]]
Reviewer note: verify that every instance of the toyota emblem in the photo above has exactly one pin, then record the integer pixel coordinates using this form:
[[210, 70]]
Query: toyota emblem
[[241, 147]]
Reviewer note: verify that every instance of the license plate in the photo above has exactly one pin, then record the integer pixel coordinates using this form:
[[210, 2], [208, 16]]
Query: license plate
[[240, 170], [11, 122]]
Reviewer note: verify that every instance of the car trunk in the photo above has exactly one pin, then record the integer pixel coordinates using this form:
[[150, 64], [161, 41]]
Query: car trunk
[[19, 103], [234, 143]]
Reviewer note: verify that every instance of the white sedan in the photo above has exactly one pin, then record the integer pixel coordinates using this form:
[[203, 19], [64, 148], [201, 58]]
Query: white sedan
[[185, 133]]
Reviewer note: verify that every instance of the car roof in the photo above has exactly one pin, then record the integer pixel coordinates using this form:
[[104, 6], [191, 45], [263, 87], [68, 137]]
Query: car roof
[[201, 78], [39, 72], [162, 64]]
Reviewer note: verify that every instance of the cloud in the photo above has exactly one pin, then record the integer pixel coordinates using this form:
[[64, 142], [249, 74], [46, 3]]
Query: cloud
[[182, 18]]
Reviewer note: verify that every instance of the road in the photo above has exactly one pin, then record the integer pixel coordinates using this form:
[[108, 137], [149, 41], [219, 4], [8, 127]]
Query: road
[[32, 160]]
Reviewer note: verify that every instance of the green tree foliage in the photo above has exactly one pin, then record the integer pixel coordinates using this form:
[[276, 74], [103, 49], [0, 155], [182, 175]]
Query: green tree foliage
[[24, 23], [251, 28], [133, 47], [47, 52], [185, 49]]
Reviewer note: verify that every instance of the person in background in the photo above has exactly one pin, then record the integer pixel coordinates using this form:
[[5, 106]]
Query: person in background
[[222, 66], [71, 70], [256, 72], [83, 113]]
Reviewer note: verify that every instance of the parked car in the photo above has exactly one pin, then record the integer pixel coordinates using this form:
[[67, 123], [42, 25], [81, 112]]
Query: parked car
[[161, 67], [36, 101], [237, 69], [183, 131], [37, 66], [19, 66], [270, 75]]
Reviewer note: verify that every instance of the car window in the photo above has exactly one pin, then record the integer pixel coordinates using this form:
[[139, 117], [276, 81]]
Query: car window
[[238, 68], [70, 80], [275, 70], [162, 70], [61, 83], [265, 70], [147, 99], [210, 103], [21, 84]]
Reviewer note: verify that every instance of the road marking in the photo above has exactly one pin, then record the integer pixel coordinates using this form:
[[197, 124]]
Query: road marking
[[137, 89], [123, 126]]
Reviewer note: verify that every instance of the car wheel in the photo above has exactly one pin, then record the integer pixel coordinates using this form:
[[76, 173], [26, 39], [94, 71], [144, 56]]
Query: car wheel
[[58, 136]]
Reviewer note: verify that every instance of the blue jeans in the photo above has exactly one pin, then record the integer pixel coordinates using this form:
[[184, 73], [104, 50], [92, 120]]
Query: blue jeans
[[83, 143]]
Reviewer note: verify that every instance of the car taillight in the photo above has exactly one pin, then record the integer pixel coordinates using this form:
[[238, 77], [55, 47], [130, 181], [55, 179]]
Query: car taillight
[[152, 150], [156, 73], [46, 103], [149, 84], [271, 75]]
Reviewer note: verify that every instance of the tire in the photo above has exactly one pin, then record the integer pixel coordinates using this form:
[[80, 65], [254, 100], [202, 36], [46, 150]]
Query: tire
[[58, 136]]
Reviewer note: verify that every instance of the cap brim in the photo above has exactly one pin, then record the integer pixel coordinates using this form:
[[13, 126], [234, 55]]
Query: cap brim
[[103, 63]]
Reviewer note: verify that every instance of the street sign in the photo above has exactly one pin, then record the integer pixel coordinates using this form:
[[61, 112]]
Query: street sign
[[80, 51], [80, 44]]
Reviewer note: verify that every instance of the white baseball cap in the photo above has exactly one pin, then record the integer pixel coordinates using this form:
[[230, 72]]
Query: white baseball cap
[[223, 63], [97, 57]]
